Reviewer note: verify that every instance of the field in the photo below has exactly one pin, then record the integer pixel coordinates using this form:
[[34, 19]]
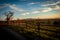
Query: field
[[33, 31], [45, 32]]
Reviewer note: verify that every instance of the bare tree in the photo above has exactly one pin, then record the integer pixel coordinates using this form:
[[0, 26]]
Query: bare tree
[[9, 16]]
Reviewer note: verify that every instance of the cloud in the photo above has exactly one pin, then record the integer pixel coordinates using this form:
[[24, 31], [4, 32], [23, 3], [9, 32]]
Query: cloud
[[51, 4], [23, 14], [35, 12], [15, 8], [47, 10], [32, 3], [26, 13], [38, 10], [32, 12], [57, 7], [12, 6], [51, 9], [3, 6]]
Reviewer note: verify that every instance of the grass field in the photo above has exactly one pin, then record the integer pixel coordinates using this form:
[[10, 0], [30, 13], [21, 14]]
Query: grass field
[[45, 32], [35, 30]]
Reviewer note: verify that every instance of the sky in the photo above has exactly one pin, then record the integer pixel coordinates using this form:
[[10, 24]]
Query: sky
[[22, 9]]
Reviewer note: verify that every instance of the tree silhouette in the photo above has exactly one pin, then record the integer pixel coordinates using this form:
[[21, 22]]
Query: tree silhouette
[[56, 23], [9, 16]]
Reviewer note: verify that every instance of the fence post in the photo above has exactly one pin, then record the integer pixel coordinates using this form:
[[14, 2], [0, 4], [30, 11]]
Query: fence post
[[38, 25], [38, 30]]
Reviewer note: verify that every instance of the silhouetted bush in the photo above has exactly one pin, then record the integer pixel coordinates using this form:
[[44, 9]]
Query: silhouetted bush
[[56, 23]]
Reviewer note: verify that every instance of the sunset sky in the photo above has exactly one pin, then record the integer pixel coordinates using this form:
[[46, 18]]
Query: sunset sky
[[43, 9]]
